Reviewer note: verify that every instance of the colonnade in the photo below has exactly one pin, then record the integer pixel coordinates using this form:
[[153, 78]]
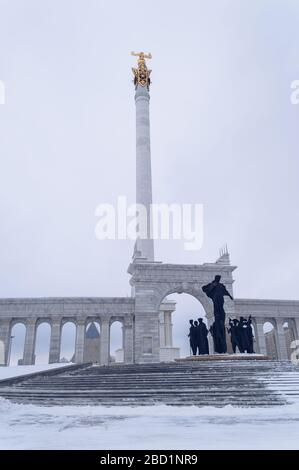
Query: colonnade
[[56, 323]]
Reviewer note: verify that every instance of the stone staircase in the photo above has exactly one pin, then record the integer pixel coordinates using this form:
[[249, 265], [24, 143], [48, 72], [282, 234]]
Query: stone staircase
[[208, 383]]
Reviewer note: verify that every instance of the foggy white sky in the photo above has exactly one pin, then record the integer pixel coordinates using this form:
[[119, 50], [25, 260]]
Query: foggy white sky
[[224, 134]]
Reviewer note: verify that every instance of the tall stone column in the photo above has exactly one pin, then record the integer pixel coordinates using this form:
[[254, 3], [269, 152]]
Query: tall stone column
[[294, 349], [168, 329], [5, 338], [80, 339], [144, 246], [162, 329], [105, 341], [128, 342], [282, 350], [211, 344], [256, 346], [296, 322], [260, 337], [29, 356], [55, 341]]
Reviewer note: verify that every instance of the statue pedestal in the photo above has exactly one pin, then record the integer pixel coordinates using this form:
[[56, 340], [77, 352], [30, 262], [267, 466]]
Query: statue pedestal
[[224, 357]]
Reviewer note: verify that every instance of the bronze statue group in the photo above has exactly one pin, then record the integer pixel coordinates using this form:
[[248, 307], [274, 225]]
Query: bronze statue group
[[240, 331], [198, 337]]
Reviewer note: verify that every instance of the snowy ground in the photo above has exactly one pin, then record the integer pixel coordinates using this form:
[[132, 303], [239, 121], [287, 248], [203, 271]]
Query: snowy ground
[[14, 371], [33, 427], [153, 427]]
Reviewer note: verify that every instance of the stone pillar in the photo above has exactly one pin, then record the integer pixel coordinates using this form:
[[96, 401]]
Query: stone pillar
[[29, 356], [6, 341], [147, 337], [105, 341], [144, 246], [260, 336], [128, 341], [281, 344], [168, 329], [256, 346], [162, 329], [80, 338], [211, 344], [294, 350], [228, 340], [296, 322], [55, 341]]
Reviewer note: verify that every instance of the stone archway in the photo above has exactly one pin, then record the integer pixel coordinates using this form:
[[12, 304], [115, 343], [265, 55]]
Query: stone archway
[[152, 282], [195, 291], [175, 312]]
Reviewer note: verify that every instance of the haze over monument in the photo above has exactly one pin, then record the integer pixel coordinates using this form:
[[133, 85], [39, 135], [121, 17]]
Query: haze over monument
[[59, 157]]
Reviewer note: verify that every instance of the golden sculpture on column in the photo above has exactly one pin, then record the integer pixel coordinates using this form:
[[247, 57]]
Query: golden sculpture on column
[[142, 73]]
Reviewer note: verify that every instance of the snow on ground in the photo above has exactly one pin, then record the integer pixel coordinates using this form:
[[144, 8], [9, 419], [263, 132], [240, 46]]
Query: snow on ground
[[153, 427], [14, 371]]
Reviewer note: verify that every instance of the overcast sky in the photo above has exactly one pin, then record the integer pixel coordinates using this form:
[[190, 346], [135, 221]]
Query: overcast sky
[[223, 130]]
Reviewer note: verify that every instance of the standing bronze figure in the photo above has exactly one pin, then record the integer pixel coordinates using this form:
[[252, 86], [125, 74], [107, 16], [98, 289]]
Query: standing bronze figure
[[217, 291]]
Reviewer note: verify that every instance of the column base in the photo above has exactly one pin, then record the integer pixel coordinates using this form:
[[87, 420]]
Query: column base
[[169, 354]]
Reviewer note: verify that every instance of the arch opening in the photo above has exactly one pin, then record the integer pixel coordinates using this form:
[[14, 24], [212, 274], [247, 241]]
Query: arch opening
[[92, 342], [116, 342], [16, 345], [68, 342], [42, 344], [174, 314]]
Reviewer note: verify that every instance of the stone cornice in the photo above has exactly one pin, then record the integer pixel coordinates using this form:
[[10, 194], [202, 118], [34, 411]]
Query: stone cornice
[[68, 300]]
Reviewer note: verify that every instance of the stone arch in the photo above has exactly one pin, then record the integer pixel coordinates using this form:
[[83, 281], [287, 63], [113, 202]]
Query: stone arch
[[193, 289], [16, 321], [42, 320]]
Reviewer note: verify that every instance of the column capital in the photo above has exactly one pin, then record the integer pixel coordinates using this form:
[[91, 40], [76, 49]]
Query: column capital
[[259, 320], [280, 321], [56, 318], [128, 321]]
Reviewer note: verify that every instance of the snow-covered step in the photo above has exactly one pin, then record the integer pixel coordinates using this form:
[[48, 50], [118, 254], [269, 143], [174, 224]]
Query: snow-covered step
[[211, 383]]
